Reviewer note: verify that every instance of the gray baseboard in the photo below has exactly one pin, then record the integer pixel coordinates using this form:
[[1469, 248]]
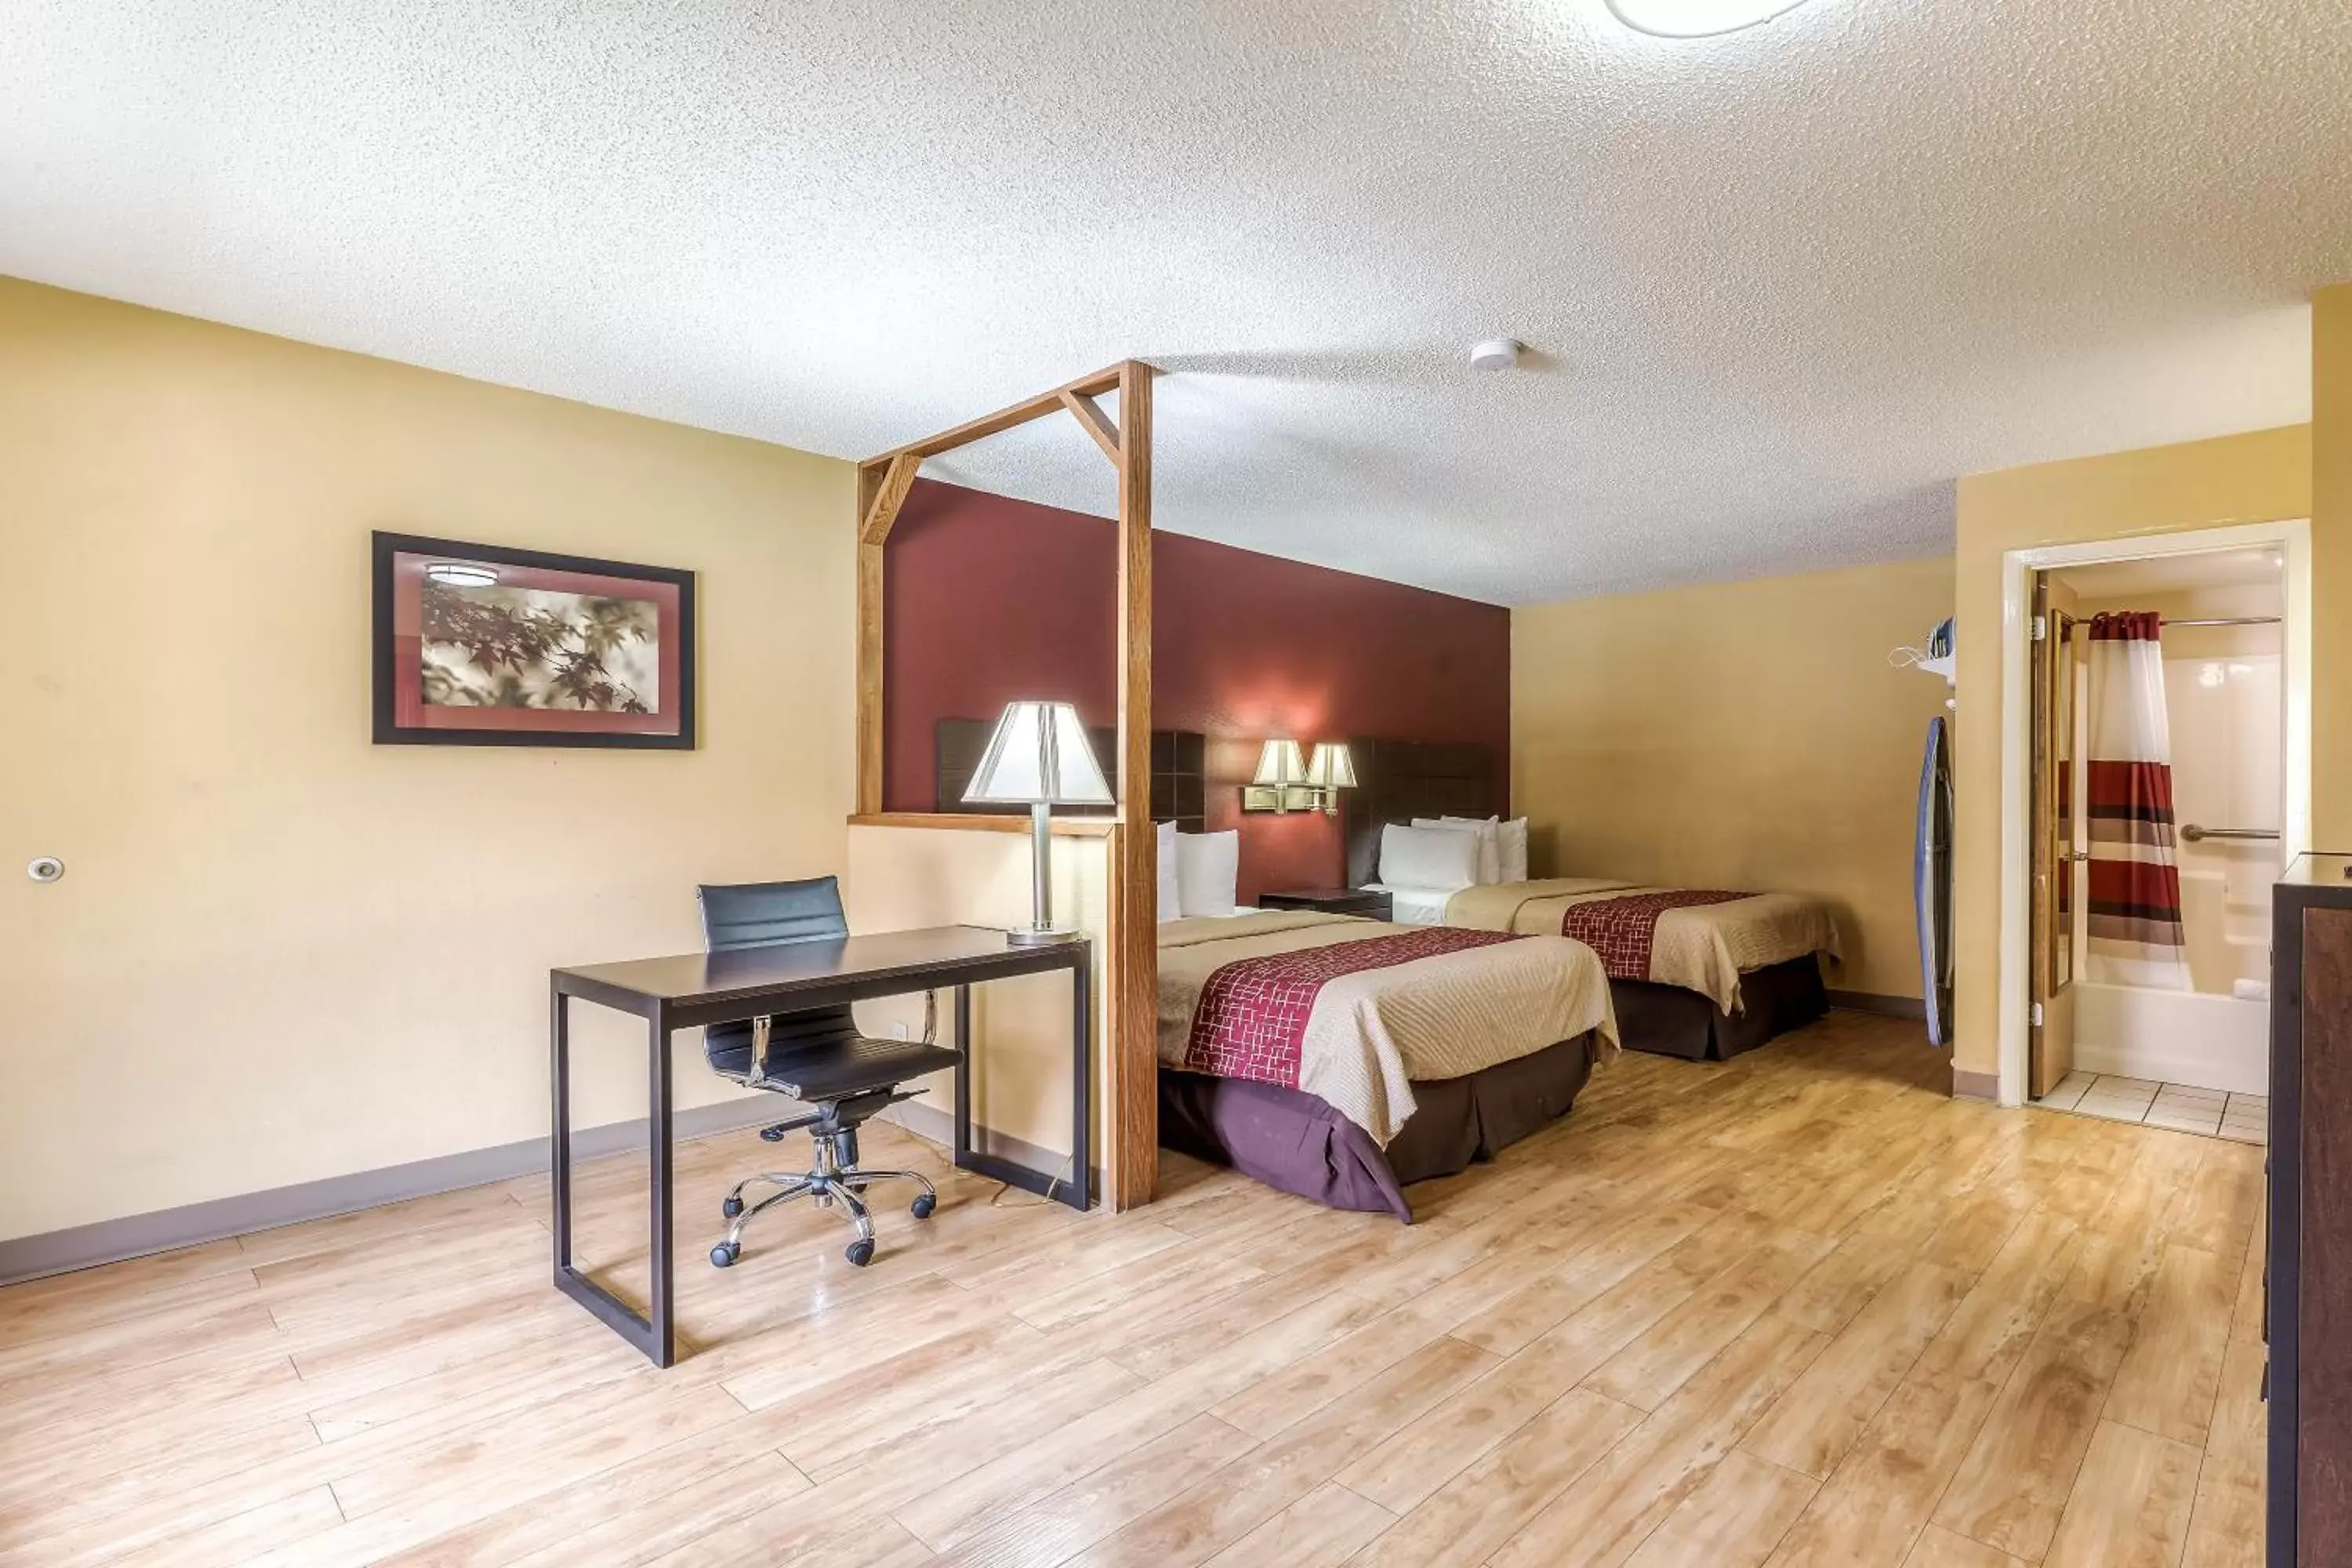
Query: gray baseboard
[[1969, 1085], [164, 1230], [1871, 1002]]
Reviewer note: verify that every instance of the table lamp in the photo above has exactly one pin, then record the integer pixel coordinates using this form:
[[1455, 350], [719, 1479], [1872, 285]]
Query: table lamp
[[1039, 757]]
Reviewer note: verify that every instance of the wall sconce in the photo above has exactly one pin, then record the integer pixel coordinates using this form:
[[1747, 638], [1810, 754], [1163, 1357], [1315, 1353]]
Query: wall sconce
[[1286, 781], [1331, 771], [1281, 781]]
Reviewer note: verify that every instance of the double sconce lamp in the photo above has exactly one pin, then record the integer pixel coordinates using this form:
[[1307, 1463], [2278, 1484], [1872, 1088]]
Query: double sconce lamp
[[1288, 781]]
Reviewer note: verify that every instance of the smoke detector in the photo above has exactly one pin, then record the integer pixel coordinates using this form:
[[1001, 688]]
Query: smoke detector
[[1494, 354]]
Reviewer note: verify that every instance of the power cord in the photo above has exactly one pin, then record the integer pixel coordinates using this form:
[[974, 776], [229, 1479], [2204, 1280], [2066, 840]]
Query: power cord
[[1003, 1188]]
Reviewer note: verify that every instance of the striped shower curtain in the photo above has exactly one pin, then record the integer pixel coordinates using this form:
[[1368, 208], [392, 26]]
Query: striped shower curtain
[[2135, 905]]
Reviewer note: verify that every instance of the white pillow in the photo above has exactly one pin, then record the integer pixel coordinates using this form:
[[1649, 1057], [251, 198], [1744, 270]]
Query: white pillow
[[1515, 851], [1171, 903], [1435, 859], [1513, 835], [1208, 871], [1487, 833]]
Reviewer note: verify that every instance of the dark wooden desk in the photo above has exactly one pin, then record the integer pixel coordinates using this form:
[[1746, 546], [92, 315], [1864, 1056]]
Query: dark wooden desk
[[697, 989]]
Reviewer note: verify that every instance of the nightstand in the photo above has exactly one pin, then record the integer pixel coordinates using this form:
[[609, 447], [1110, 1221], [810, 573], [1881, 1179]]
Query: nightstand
[[1329, 901]]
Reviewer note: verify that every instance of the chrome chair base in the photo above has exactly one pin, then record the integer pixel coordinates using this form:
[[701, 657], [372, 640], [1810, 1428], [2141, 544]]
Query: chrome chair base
[[831, 1180]]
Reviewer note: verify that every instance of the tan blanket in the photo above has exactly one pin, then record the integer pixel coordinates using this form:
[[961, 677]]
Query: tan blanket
[[1373, 1033], [1702, 949]]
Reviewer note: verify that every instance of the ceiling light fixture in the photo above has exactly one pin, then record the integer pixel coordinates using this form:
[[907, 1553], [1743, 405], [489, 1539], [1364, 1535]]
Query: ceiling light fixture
[[462, 573], [1697, 18]]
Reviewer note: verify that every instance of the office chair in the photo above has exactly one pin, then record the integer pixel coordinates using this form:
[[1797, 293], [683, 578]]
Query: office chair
[[816, 1057]]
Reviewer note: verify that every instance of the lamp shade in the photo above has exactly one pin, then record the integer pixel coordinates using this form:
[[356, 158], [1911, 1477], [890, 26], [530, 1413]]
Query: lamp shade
[[1039, 755], [1332, 767], [1280, 763]]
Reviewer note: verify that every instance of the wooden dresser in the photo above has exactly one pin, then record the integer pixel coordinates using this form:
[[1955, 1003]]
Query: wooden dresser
[[2309, 1276]]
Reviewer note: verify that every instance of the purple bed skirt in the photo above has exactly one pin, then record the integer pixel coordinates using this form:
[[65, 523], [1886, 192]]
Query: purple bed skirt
[[1291, 1140], [1672, 1022]]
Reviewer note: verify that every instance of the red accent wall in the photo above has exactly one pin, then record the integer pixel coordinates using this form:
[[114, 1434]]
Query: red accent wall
[[985, 600], [988, 599]]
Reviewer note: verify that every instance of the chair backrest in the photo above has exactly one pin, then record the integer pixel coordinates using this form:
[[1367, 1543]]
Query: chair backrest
[[759, 914]]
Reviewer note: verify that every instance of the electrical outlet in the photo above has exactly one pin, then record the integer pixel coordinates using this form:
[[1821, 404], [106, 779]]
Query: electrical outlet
[[898, 1030]]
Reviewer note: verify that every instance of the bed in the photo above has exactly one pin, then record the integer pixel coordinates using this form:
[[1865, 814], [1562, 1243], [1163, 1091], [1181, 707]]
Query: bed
[[1344, 1059], [1695, 973], [1700, 974]]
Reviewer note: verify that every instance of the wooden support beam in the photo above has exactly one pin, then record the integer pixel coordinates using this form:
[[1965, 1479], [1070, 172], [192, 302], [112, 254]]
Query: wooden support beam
[[1005, 419], [1131, 1073], [870, 644], [882, 511], [1097, 423]]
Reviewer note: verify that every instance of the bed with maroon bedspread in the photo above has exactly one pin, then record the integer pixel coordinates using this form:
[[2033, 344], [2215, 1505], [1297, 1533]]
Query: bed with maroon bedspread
[[1344, 1059], [1695, 973]]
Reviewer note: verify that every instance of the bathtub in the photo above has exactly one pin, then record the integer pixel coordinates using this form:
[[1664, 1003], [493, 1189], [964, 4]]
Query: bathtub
[[2207, 1036]]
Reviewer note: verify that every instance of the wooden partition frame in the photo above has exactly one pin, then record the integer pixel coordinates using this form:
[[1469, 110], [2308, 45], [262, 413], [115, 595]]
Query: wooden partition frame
[[1131, 1062]]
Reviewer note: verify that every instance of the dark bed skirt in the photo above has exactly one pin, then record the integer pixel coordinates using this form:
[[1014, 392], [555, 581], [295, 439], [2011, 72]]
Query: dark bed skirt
[[1672, 1022], [1292, 1141]]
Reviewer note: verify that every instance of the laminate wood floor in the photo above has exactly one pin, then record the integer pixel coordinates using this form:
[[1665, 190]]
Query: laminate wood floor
[[1798, 1309]]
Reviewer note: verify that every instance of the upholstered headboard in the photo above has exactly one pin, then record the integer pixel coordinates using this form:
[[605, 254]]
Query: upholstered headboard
[[1397, 781], [1178, 791]]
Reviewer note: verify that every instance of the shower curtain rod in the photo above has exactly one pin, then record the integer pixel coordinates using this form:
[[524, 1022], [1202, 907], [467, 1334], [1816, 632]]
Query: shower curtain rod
[[2217, 621]]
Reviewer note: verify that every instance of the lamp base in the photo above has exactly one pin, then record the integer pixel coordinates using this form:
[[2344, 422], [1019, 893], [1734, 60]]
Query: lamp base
[[1289, 797], [1035, 936]]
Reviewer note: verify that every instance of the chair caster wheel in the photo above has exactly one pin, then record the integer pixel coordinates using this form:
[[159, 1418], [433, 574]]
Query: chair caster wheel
[[861, 1253], [731, 1207], [923, 1205], [725, 1253]]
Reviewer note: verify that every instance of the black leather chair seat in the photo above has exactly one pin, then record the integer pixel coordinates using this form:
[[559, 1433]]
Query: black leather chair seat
[[843, 1066]]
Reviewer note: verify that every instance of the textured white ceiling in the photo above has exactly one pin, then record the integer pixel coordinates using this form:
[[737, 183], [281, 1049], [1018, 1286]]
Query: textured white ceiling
[[1782, 286]]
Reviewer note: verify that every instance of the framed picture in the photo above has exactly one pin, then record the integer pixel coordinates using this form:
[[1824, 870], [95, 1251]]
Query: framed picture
[[480, 646]]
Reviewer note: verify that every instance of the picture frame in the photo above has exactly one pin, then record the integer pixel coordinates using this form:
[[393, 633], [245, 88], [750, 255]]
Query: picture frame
[[482, 645]]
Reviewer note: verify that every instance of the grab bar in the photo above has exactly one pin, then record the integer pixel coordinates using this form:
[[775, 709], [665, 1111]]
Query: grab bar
[[2194, 832]]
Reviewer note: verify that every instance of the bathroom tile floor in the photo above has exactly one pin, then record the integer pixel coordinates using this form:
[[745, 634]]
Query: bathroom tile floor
[[2182, 1108]]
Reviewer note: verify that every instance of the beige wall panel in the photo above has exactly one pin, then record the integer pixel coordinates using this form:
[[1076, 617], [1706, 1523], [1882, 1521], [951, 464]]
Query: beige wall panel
[[1739, 736], [2331, 567], [903, 877], [281, 952]]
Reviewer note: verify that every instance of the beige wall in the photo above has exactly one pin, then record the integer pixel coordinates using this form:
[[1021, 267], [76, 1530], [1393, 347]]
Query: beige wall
[[1742, 734], [281, 952], [2331, 567], [2259, 478], [902, 877]]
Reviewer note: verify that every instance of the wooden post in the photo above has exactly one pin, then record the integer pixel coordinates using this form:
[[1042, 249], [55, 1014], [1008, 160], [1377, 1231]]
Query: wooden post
[[882, 486], [1131, 1158], [870, 647]]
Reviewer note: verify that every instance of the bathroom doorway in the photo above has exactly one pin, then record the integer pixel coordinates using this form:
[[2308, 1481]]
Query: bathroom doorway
[[2158, 791]]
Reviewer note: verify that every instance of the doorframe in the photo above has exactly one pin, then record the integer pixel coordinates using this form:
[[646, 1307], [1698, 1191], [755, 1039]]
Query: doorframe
[[2292, 536]]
